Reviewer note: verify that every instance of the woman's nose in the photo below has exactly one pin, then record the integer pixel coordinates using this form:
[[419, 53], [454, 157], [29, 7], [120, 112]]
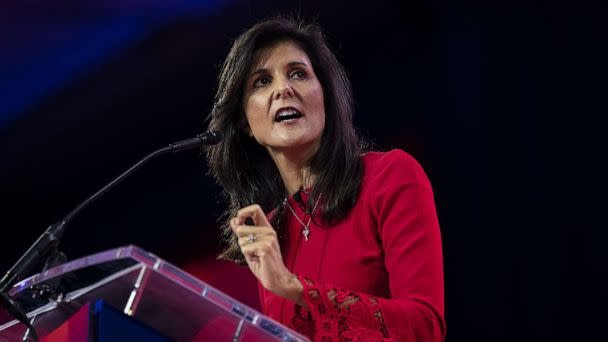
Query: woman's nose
[[283, 90]]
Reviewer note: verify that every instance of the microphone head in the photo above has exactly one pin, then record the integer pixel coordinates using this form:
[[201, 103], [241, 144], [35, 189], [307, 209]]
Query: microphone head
[[210, 137], [207, 138]]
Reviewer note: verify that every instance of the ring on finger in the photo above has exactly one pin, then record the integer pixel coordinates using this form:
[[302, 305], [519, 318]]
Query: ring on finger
[[250, 238]]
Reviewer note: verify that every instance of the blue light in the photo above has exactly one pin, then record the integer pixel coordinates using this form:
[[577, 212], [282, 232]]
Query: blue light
[[58, 47]]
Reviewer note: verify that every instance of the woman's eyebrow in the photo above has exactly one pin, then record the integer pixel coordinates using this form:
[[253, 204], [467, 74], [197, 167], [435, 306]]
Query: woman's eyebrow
[[265, 70], [294, 63]]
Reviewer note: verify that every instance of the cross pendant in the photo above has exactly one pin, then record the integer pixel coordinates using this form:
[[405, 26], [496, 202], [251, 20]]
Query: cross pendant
[[306, 232]]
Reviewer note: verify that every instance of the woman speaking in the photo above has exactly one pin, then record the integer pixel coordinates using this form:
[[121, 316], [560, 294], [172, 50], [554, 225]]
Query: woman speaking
[[344, 242]]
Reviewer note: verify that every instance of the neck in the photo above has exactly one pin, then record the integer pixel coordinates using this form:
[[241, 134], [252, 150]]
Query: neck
[[294, 170]]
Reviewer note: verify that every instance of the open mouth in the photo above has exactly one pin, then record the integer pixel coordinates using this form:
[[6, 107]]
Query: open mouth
[[287, 114]]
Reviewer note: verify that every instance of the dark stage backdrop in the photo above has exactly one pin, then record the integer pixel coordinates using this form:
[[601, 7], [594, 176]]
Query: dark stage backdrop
[[499, 103]]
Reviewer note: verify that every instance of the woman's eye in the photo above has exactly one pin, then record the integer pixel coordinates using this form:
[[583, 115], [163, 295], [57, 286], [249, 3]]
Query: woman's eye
[[298, 74], [260, 82]]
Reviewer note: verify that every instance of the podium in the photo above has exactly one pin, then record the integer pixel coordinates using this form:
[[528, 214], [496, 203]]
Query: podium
[[143, 289]]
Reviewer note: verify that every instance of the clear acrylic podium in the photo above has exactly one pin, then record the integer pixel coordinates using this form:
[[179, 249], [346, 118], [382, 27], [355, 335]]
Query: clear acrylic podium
[[146, 288]]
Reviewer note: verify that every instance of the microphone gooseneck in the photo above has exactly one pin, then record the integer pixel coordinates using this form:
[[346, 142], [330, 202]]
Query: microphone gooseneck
[[50, 239]]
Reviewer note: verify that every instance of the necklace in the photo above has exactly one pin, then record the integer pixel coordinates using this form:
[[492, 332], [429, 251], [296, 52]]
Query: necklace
[[306, 231]]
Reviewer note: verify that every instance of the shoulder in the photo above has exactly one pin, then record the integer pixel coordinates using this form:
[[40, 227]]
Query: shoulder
[[394, 166]]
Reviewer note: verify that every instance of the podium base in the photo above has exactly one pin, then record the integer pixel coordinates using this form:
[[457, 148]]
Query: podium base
[[100, 322]]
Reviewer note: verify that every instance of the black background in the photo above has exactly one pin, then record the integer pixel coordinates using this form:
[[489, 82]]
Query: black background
[[502, 105]]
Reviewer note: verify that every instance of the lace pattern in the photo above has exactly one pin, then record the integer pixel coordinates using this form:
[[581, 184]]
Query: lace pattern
[[339, 315]]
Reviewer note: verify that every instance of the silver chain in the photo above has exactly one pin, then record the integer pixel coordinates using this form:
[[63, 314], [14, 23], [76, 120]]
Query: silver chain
[[306, 231]]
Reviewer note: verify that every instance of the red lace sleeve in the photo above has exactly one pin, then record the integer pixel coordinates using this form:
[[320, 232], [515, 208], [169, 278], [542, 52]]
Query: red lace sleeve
[[339, 313], [335, 314]]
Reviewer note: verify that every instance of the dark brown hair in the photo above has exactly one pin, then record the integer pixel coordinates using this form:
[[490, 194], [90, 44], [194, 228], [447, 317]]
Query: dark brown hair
[[244, 168]]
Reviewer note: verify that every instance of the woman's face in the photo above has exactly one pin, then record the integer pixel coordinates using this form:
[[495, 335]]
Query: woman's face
[[283, 100]]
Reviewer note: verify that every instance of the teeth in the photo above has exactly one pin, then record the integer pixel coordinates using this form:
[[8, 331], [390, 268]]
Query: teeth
[[287, 113]]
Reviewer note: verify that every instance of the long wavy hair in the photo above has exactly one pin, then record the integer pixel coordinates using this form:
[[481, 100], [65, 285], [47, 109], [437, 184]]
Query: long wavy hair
[[245, 169]]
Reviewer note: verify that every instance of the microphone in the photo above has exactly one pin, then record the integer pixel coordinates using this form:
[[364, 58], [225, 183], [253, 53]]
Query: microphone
[[47, 243], [207, 138]]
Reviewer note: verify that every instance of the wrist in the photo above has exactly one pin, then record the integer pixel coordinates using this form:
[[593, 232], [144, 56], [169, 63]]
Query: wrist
[[292, 289]]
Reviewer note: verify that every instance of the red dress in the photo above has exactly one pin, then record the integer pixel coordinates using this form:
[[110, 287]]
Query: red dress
[[378, 274]]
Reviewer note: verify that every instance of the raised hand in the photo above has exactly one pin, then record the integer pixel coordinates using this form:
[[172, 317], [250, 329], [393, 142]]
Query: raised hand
[[260, 246]]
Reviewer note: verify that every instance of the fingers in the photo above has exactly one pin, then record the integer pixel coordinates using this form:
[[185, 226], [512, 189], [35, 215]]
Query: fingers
[[254, 212], [249, 213], [255, 240], [258, 249], [235, 225], [242, 231]]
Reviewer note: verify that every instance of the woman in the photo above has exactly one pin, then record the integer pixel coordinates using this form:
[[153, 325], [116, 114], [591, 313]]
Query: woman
[[350, 248]]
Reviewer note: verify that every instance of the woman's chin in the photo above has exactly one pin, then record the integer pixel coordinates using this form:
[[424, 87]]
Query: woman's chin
[[292, 144]]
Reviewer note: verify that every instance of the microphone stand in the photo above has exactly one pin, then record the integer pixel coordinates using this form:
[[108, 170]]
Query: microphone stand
[[46, 245]]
